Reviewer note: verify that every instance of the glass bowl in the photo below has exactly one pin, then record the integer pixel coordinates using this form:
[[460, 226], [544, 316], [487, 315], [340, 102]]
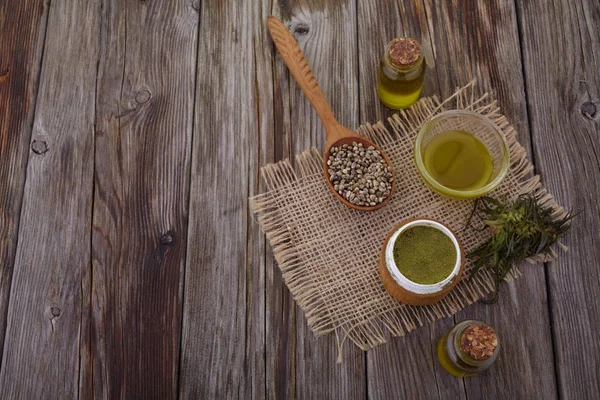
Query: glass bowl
[[483, 129]]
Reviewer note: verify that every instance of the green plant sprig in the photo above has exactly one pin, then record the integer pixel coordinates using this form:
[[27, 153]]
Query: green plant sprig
[[520, 230]]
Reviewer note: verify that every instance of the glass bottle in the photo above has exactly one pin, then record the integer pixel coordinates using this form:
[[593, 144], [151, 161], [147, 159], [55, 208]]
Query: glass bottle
[[468, 348], [401, 73]]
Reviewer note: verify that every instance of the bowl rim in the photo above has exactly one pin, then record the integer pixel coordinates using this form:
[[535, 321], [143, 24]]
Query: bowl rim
[[401, 279], [461, 194]]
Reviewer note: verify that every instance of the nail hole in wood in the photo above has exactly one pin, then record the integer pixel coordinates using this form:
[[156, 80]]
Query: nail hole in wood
[[143, 96], [39, 146], [589, 110]]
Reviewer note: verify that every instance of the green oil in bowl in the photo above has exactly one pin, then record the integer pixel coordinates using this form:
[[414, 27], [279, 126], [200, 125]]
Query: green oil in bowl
[[458, 160]]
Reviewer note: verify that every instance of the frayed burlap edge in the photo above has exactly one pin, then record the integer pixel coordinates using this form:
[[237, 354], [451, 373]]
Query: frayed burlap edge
[[397, 322]]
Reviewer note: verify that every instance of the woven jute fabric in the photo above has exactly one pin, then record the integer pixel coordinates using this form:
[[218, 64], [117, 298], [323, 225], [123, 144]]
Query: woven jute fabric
[[328, 254]]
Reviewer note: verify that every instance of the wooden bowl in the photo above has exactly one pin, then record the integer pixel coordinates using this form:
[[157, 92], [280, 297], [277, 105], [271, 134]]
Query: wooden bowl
[[412, 293]]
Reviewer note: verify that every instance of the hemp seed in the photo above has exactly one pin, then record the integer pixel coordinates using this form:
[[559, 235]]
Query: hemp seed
[[360, 175]]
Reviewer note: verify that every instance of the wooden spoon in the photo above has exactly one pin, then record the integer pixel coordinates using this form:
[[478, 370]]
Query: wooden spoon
[[337, 134]]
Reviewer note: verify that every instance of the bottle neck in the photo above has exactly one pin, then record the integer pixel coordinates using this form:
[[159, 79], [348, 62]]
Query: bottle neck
[[396, 56], [403, 68]]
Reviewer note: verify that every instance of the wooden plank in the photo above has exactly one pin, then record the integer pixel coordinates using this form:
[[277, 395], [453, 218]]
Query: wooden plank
[[280, 308], [223, 342], [255, 381], [21, 41], [480, 39], [389, 374], [144, 117], [51, 281], [561, 47], [462, 42], [326, 32]]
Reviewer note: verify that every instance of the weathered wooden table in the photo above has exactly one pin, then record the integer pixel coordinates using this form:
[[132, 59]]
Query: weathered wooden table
[[132, 133]]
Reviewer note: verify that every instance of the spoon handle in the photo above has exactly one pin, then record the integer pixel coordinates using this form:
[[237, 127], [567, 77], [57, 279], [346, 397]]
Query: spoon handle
[[297, 64]]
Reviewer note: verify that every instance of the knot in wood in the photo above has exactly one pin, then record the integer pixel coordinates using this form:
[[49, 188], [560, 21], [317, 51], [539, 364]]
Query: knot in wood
[[166, 239], [143, 96], [301, 29], [589, 110], [55, 311], [39, 146]]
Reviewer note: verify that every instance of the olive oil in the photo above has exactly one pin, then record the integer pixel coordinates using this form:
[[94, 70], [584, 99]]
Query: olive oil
[[458, 160]]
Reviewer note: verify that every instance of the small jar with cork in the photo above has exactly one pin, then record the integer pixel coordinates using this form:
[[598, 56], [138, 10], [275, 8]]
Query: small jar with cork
[[468, 348], [401, 73]]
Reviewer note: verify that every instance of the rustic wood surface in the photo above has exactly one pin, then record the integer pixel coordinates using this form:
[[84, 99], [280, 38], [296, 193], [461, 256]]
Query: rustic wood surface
[[143, 136], [563, 100], [49, 305], [220, 326], [22, 42], [132, 133]]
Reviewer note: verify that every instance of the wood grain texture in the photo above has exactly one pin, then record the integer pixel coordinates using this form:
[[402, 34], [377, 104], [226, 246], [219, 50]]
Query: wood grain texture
[[51, 280], [223, 343], [22, 30], [280, 308], [561, 47], [326, 33], [255, 378], [144, 116]]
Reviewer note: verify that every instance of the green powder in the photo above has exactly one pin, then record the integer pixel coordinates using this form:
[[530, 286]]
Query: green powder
[[424, 255]]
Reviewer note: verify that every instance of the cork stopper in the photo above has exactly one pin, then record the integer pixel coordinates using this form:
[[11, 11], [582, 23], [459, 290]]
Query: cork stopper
[[479, 342], [404, 51]]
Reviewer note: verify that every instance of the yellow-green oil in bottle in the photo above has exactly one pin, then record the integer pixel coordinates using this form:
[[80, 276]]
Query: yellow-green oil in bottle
[[448, 363], [401, 73], [458, 160]]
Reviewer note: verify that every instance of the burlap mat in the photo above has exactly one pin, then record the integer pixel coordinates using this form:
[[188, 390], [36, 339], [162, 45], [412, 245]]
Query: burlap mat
[[328, 254]]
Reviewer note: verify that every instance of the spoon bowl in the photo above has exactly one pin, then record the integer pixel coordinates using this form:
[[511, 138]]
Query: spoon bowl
[[337, 134]]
